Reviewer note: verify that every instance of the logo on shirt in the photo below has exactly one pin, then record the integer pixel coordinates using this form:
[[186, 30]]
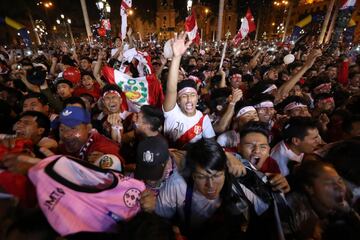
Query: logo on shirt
[[197, 130], [132, 197], [106, 162], [66, 113], [148, 157], [54, 198]]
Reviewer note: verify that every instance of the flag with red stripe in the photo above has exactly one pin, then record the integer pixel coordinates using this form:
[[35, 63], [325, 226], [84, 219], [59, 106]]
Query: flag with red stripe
[[247, 26], [125, 5], [347, 3], [191, 28], [139, 91]]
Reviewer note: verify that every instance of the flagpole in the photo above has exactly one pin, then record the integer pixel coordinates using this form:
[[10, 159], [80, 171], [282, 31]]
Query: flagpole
[[227, 35], [332, 23], [258, 25], [326, 22], [287, 20], [220, 20], [86, 18]]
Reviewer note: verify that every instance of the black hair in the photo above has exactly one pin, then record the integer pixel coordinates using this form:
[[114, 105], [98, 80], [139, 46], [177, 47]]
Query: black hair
[[297, 99], [88, 97], [86, 58], [322, 96], [73, 100], [317, 81], [153, 116], [147, 226], [62, 80], [254, 127], [206, 153], [241, 104], [41, 97], [348, 121], [306, 173], [260, 87], [41, 119], [257, 99], [111, 87], [186, 83], [297, 127], [345, 158], [88, 73]]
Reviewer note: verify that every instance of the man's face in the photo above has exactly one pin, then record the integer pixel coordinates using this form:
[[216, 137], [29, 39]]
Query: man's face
[[355, 81], [355, 129], [28, 128], [266, 114], [85, 65], [255, 148], [328, 189], [235, 81], [64, 90], [87, 82], [112, 102], [325, 105], [192, 62], [310, 142], [34, 104], [208, 182], [299, 112], [273, 74], [187, 103], [141, 125], [332, 72], [73, 138], [247, 117]]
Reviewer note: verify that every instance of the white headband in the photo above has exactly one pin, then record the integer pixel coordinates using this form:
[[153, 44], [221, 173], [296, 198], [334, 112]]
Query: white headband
[[265, 104], [293, 105], [269, 89], [244, 110], [187, 90]]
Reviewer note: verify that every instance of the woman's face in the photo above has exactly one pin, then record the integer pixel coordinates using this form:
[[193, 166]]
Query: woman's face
[[208, 182], [328, 190]]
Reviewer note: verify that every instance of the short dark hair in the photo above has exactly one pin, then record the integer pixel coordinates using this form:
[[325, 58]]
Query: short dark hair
[[297, 127], [73, 100], [206, 153], [322, 96], [41, 97], [305, 174], [345, 158], [297, 99], [347, 122], [41, 119], [111, 87], [153, 116], [86, 58], [254, 127]]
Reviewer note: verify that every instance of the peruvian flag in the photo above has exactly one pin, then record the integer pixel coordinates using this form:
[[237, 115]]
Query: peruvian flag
[[347, 3], [247, 26], [191, 28], [125, 5], [139, 91]]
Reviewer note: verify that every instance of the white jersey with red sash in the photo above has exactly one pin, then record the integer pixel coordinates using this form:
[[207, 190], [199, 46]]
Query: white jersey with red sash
[[181, 129]]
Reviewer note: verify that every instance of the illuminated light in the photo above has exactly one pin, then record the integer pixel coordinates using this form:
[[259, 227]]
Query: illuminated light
[[131, 12], [69, 20], [273, 24], [57, 21], [62, 16]]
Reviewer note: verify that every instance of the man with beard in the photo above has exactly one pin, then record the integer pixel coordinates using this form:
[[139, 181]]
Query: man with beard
[[78, 139], [183, 122]]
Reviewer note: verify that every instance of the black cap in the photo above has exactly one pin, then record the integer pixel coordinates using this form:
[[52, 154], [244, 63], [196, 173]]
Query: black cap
[[152, 154]]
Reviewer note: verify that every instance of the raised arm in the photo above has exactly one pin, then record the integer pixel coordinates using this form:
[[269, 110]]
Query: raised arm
[[287, 86], [179, 46]]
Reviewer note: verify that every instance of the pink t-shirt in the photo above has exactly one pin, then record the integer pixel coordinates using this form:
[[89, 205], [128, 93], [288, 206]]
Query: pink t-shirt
[[77, 196]]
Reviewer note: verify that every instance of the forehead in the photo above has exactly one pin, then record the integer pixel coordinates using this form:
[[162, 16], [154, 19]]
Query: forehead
[[254, 137], [312, 132], [204, 171], [28, 119], [32, 100], [63, 85], [111, 95]]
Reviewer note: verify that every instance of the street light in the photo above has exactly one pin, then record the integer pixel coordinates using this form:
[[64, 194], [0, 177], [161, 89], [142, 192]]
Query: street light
[[131, 12], [66, 24], [108, 8], [69, 21], [62, 16], [100, 4]]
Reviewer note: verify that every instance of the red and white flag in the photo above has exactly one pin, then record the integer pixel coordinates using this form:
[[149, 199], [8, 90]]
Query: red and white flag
[[347, 3], [247, 26], [138, 91], [125, 5], [191, 28]]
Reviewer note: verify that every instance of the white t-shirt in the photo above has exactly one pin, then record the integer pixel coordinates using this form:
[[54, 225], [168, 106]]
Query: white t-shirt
[[177, 123], [282, 155]]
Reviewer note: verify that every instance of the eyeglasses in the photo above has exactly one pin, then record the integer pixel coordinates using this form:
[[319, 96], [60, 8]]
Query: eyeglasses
[[214, 178]]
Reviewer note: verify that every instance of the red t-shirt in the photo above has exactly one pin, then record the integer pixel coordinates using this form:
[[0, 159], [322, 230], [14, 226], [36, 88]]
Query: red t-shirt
[[270, 166], [95, 91]]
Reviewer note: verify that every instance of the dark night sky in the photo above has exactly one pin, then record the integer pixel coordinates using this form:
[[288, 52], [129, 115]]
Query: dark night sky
[[16, 9]]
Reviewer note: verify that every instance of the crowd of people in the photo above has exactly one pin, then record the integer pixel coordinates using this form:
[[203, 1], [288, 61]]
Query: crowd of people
[[135, 141]]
